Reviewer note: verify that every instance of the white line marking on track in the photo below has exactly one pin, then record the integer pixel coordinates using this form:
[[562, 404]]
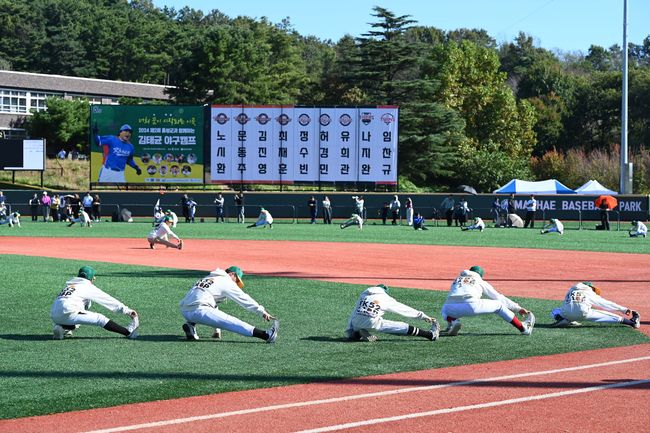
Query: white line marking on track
[[360, 396], [471, 407]]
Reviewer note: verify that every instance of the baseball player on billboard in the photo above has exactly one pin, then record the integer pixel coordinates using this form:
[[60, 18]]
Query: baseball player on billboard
[[368, 315], [161, 233], [71, 308], [201, 305], [583, 301], [464, 300], [117, 152]]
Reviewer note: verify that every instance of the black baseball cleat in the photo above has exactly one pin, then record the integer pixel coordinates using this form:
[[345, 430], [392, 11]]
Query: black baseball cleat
[[636, 319]]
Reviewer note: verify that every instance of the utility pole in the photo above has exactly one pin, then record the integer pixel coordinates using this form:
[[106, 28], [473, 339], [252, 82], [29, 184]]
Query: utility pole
[[625, 185]]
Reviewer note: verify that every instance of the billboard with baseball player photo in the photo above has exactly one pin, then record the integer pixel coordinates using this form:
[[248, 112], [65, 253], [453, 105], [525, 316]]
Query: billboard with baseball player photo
[[287, 144], [146, 144]]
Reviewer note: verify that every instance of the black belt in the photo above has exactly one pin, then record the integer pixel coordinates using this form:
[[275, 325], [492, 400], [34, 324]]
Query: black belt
[[113, 169]]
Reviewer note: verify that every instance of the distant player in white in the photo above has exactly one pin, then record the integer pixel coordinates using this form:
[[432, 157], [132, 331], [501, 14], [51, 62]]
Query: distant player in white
[[464, 300], [262, 220], [579, 304], [638, 229], [13, 219], [70, 309], [355, 219], [161, 233], [369, 311], [173, 216], [554, 226], [478, 225], [201, 305], [84, 219]]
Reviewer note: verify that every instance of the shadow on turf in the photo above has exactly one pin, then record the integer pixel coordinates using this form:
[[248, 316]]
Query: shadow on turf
[[367, 381], [158, 273], [173, 338]]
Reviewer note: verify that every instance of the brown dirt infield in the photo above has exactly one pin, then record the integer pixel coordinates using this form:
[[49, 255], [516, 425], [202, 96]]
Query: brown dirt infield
[[474, 406]]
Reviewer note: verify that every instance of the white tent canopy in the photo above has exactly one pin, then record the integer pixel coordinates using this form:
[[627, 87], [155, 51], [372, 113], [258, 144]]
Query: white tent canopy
[[544, 187], [594, 187]]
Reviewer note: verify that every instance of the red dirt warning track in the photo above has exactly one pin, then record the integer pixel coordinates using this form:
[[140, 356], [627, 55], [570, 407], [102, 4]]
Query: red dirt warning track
[[597, 391]]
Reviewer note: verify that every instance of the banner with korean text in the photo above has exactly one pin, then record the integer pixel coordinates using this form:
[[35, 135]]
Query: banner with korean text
[[147, 144], [287, 144]]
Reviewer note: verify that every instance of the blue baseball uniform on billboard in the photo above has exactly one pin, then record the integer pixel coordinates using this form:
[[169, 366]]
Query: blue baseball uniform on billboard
[[118, 152]]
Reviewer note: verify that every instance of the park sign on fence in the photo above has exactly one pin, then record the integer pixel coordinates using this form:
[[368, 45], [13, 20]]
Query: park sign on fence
[[167, 144], [288, 144]]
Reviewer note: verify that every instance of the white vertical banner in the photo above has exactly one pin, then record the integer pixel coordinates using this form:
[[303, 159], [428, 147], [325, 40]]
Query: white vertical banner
[[286, 144], [344, 144], [221, 149], [305, 145], [378, 145]]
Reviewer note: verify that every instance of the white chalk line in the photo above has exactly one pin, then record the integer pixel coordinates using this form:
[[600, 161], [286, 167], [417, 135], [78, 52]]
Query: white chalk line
[[357, 397], [471, 407]]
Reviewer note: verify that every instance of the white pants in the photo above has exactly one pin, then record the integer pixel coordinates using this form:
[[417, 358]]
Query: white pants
[[359, 321], [572, 312], [111, 176], [409, 216], [216, 318], [79, 318], [474, 308]]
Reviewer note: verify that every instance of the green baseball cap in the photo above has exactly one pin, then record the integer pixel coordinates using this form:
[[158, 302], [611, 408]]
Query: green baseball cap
[[383, 286], [86, 272], [239, 273], [479, 270]]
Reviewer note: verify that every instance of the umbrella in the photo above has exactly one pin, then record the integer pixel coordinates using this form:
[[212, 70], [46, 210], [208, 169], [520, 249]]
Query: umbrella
[[606, 200], [468, 189]]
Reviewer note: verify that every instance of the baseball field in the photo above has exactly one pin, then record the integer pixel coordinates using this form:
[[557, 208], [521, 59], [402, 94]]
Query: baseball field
[[489, 378]]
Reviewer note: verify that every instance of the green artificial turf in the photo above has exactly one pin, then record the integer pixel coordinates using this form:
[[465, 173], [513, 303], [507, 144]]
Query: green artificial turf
[[573, 239], [96, 368]]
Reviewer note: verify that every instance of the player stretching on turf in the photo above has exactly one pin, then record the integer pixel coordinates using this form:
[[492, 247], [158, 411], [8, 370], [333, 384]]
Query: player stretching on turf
[[161, 233], [264, 219], [368, 315], [464, 300], [70, 309], [200, 305], [578, 305]]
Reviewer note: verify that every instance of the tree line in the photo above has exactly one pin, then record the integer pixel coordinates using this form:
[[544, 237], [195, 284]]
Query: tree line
[[471, 111]]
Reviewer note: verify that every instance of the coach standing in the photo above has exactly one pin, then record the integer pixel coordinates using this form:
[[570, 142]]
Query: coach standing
[[447, 206], [531, 207]]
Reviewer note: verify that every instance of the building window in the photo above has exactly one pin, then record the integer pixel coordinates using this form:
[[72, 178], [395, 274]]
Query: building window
[[13, 101], [37, 100]]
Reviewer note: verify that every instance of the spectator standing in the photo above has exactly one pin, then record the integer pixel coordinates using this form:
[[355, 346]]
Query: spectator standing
[[240, 203], [409, 211], [34, 202], [531, 207], [604, 215], [46, 201], [511, 209], [496, 210], [62, 154], [87, 203], [75, 205], [447, 207], [312, 204], [327, 211], [55, 208], [186, 207], [463, 212], [97, 208], [191, 204], [385, 209], [3, 198], [219, 202], [395, 206]]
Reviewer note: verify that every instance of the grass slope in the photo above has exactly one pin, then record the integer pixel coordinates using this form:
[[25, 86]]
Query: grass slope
[[573, 239], [98, 369]]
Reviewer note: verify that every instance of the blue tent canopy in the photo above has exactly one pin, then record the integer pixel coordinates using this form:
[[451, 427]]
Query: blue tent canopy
[[544, 187]]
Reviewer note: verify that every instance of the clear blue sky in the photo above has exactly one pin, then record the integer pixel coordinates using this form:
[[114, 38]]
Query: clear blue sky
[[568, 25]]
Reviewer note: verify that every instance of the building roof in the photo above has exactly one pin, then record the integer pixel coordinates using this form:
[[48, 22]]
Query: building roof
[[81, 86]]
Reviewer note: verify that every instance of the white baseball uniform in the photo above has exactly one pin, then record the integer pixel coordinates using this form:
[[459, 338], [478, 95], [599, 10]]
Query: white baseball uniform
[[639, 230], [464, 299], [84, 219], [579, 302], [370, 308], [71, 305], [264, 218], [200, 304], [555, 226], [353, 220], [163, 232], [13, 219], [479, 224]]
